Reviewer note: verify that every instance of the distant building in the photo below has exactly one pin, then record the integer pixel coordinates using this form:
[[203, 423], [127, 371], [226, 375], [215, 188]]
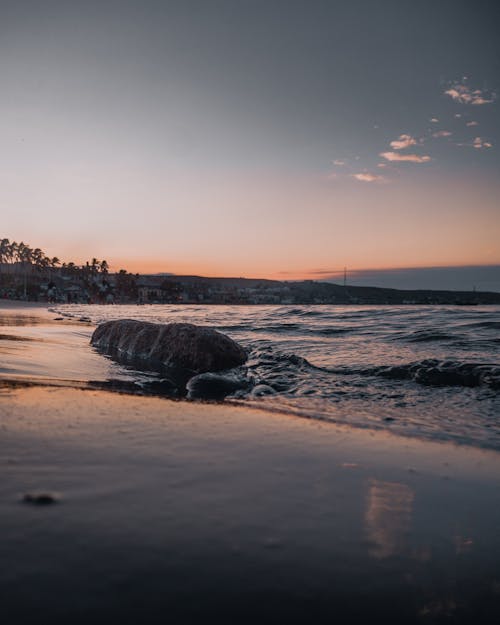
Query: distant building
[[149, 291]]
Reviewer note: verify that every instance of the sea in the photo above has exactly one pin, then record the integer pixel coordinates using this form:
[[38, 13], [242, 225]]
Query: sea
[[424, 371]]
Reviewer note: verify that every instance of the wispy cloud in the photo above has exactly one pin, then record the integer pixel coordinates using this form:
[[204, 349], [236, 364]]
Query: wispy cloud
[[472, 123], [434, 120], [409, 158], [402, 142], [367, 177], [441, 133], [465, 95], [339, 162]]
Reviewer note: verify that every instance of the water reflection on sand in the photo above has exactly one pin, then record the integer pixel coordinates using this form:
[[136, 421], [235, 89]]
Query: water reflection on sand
[[18, 319], [388, 517], [38, 348]]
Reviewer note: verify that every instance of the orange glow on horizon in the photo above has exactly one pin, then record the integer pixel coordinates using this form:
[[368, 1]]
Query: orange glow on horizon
[[150, 266]]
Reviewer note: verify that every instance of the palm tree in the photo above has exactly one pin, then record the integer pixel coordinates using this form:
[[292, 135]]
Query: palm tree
[[44, 263], [4, 253], [72, 269], [4, 250], [38, 258], [13, 252], [25, 255], [94, 267], [104, 267]]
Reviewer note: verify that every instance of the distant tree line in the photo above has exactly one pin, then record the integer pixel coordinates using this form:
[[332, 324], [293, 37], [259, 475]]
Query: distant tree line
[[23, 268], [13, 252]]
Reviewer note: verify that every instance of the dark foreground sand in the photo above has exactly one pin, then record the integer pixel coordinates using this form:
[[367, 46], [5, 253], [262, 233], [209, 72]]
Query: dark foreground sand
[[176, 512]]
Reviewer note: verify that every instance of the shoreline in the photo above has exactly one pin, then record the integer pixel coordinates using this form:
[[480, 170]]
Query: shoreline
[[20, 303], [186, 511], [44, 339]]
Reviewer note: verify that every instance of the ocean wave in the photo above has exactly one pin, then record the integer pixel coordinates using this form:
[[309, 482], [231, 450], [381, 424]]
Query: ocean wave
[[331, 331], [300, 312], [426, 369], [487, 325], [427, 336], [433, 372], [282, 367]]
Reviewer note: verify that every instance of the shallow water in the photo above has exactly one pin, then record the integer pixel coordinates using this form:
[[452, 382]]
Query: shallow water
[[424, 371]]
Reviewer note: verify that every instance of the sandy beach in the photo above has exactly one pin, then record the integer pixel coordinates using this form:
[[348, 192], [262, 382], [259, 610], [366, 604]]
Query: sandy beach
[[183, 512]]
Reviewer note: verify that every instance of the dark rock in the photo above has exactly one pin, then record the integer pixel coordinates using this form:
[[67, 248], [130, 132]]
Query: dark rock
[[214, 386], [161, 387], [163, 347], [262, 389], [40, 499]]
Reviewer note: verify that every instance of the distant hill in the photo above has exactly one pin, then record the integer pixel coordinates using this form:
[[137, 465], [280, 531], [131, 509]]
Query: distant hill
[[257, 290]]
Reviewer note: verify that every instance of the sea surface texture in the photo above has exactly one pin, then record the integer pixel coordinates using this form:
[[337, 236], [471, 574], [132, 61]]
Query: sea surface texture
[[425, 371]]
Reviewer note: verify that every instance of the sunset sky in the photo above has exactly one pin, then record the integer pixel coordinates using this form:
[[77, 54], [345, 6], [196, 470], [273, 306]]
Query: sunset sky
[[270, 138]]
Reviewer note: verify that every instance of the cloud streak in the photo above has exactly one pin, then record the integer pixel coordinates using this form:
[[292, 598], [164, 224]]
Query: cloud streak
[[367, 177], [408, 158], [441, 133]]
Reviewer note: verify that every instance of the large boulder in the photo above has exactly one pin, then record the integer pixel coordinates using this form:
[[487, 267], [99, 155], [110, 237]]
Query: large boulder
[[167, 347]]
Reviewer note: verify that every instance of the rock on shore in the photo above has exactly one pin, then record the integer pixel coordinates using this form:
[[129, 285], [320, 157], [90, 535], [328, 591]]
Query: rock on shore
[[159, 347]]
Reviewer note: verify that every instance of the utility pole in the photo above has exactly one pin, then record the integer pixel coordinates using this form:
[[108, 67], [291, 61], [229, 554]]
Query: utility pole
[[345, 276]]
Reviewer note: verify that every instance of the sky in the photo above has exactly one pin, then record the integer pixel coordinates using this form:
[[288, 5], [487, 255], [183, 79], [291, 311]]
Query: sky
[[278, 139]]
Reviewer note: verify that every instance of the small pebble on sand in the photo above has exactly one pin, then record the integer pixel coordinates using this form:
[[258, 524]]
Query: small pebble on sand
[[41, 499]]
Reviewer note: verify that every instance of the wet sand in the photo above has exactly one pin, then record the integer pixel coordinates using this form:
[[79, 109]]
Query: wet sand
[[183, 512]]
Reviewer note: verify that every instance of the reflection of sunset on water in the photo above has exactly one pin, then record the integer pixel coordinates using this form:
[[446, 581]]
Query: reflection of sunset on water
[[462, 542], [388, 517]]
